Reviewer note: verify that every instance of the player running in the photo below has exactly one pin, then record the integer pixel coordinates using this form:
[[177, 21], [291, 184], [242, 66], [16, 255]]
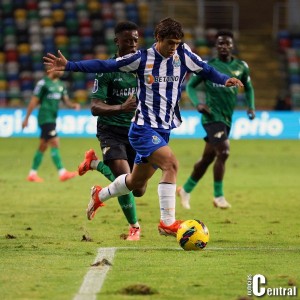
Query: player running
[[114, 102], [160, 71], [217, 118], [48, 93]]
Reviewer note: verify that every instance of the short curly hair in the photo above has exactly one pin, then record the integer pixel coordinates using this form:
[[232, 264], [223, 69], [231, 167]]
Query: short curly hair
[[224, 32], [168, 28], [124, 26]]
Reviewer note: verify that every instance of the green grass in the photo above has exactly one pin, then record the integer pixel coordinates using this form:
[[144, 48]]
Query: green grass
[[47, 259]]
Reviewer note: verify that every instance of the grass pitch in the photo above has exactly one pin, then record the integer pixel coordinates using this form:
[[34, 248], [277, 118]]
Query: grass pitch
[[47, 245]]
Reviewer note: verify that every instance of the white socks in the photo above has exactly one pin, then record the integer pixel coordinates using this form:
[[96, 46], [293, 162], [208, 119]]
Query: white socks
[[135, 225], [61, 171], [32, 172], [115, 189], [166, 194], [167, 202], [94, 164]]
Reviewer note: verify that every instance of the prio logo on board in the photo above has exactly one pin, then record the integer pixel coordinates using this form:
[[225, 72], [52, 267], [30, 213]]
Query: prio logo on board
[[260, 126]]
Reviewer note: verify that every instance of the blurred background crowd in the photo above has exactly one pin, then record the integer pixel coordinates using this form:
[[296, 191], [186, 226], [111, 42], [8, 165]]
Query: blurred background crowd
[[267, 35]]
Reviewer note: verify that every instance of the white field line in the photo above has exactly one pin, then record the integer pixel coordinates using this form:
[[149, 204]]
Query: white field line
[[94, 278], [214, 248]]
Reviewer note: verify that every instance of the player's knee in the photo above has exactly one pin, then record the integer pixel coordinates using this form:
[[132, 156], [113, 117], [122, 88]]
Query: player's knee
[[223, 155], [138, 186], [139, 192], [170, 166], [43, 148]]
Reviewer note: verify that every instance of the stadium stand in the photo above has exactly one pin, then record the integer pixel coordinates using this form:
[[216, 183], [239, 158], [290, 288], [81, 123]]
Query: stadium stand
[[289, 47], [84, 29], [80, 29]]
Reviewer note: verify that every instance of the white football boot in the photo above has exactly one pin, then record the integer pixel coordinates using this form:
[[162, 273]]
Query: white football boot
[[221, 202], [184, 197]]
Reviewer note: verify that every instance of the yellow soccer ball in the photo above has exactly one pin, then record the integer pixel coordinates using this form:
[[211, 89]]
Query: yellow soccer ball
[[192, 235]]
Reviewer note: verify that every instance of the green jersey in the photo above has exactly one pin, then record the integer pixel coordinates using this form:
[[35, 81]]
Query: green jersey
[[114, 89], [49, 93], [220, 99]]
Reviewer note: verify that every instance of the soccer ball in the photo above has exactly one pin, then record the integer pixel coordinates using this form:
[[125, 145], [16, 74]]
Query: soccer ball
[[192, 235]]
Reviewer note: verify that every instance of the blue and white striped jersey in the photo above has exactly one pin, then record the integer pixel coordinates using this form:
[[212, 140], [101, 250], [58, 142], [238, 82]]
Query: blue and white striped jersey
[[159, 81]]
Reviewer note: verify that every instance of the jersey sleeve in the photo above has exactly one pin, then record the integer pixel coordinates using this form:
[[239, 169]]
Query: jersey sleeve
[[248, 87], [196, 65], [191, 88], [100, 86], [127, 63], [39, 89]]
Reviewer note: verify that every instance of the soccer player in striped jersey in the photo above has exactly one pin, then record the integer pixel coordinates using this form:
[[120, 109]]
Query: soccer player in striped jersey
[[114, 102], [217, 118], [160, 71]]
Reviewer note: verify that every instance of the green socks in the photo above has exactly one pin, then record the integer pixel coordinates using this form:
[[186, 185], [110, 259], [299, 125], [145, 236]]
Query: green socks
[[37, 160], [126, 202], [218, 188], [106, 171], [128, 206], [55, 155], [189, 185]]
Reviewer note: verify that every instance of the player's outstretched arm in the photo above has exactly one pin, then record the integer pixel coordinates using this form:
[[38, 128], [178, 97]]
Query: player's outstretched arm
[[55, 63], [233, 82], [34, 102], [60, 63]]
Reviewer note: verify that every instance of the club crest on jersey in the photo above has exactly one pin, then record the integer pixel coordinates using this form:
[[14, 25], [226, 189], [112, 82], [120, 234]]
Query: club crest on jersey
[[155, 139], [95, 87], [176, 61]]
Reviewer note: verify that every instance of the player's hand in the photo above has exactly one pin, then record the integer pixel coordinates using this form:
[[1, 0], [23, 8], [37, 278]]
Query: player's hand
[[233, 82], [24, 123], [129, 104], [77, 106], [203, 109], [55, 63], [251, 114]]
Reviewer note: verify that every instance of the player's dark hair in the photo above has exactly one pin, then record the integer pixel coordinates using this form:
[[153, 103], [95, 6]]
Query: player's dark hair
[[124, 26], [224, 33], [168, 28]]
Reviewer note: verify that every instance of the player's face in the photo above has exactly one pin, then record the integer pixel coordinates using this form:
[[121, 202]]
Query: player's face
[[167, 46], [224, 46], [55, 74], [58, 74], [127, 42]]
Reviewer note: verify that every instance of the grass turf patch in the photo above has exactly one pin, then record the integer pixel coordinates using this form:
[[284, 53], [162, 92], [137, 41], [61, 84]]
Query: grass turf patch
[[48, 256]]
